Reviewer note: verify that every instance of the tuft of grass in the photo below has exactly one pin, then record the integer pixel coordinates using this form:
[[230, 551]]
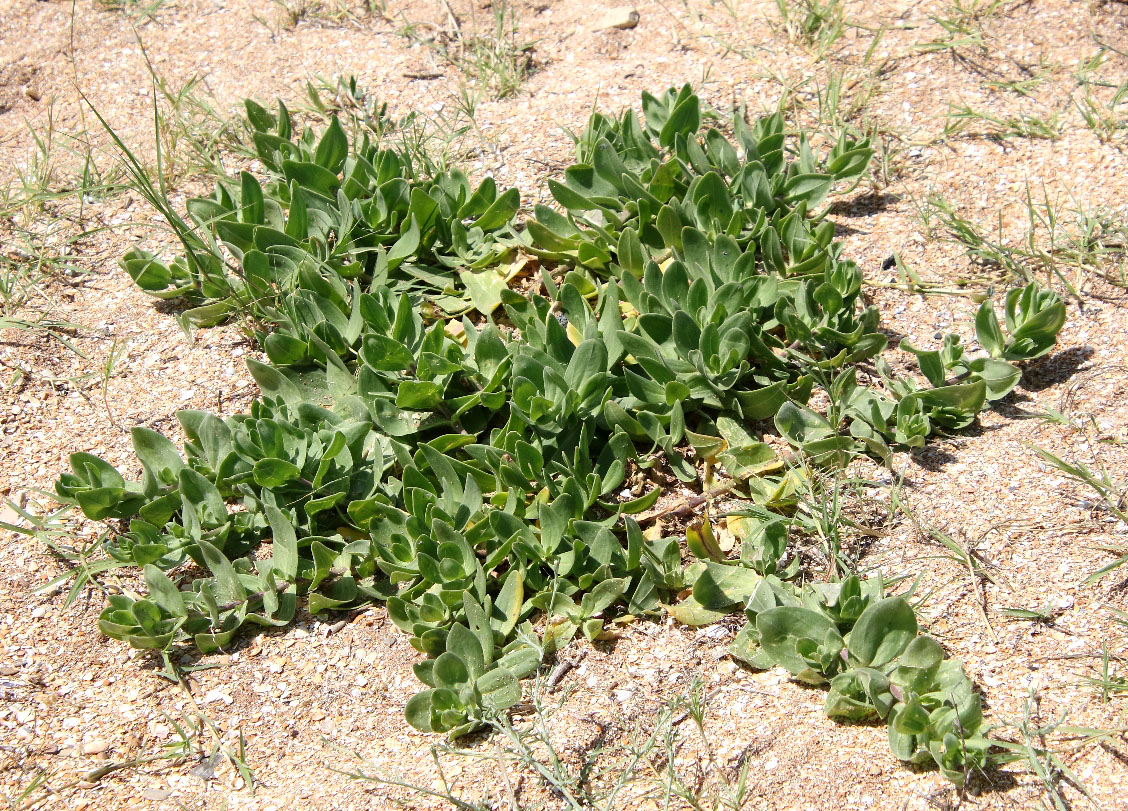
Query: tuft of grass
[[42, 217], [1103, 104], [60, 166], [1026, 86], [1046, 764], [961, 117], [1106, 118], [815, 24], [962, 24], [328, 13], [842, 100], [498, 59], [1072, 235], [489, 53], [192, 134], [827, 511], [985, 251], [24, 795], [43, 210], [1110, 679], [29, 268], [1111, 497], [1059, 237]]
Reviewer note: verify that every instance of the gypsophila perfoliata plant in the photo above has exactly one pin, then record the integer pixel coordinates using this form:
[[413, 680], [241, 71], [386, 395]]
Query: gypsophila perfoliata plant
[[469, 472]]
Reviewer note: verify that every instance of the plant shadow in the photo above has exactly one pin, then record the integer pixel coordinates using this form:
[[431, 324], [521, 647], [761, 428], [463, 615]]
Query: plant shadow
[[1056, 368], [933, 458], [863, 205]]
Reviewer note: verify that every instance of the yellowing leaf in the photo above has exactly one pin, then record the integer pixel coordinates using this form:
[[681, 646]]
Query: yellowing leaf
[[692, 613], [484, 288], [456, 331], [702, 542]]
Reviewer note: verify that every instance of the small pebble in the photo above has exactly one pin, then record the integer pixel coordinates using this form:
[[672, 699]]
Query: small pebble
[[95, 747], [621, 18]]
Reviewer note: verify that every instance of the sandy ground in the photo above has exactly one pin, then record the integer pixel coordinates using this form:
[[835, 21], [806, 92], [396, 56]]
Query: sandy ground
[[325, 698]]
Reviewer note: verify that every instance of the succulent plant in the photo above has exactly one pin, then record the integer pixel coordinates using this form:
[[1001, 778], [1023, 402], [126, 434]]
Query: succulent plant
[[469, 472]]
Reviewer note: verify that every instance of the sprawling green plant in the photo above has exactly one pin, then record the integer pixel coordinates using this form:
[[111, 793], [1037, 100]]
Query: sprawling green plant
[[469, 473], [867, 650]]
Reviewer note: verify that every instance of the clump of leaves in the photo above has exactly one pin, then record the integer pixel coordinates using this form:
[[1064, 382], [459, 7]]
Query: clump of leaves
[[867, 650], [469, 473], [329, 212]]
